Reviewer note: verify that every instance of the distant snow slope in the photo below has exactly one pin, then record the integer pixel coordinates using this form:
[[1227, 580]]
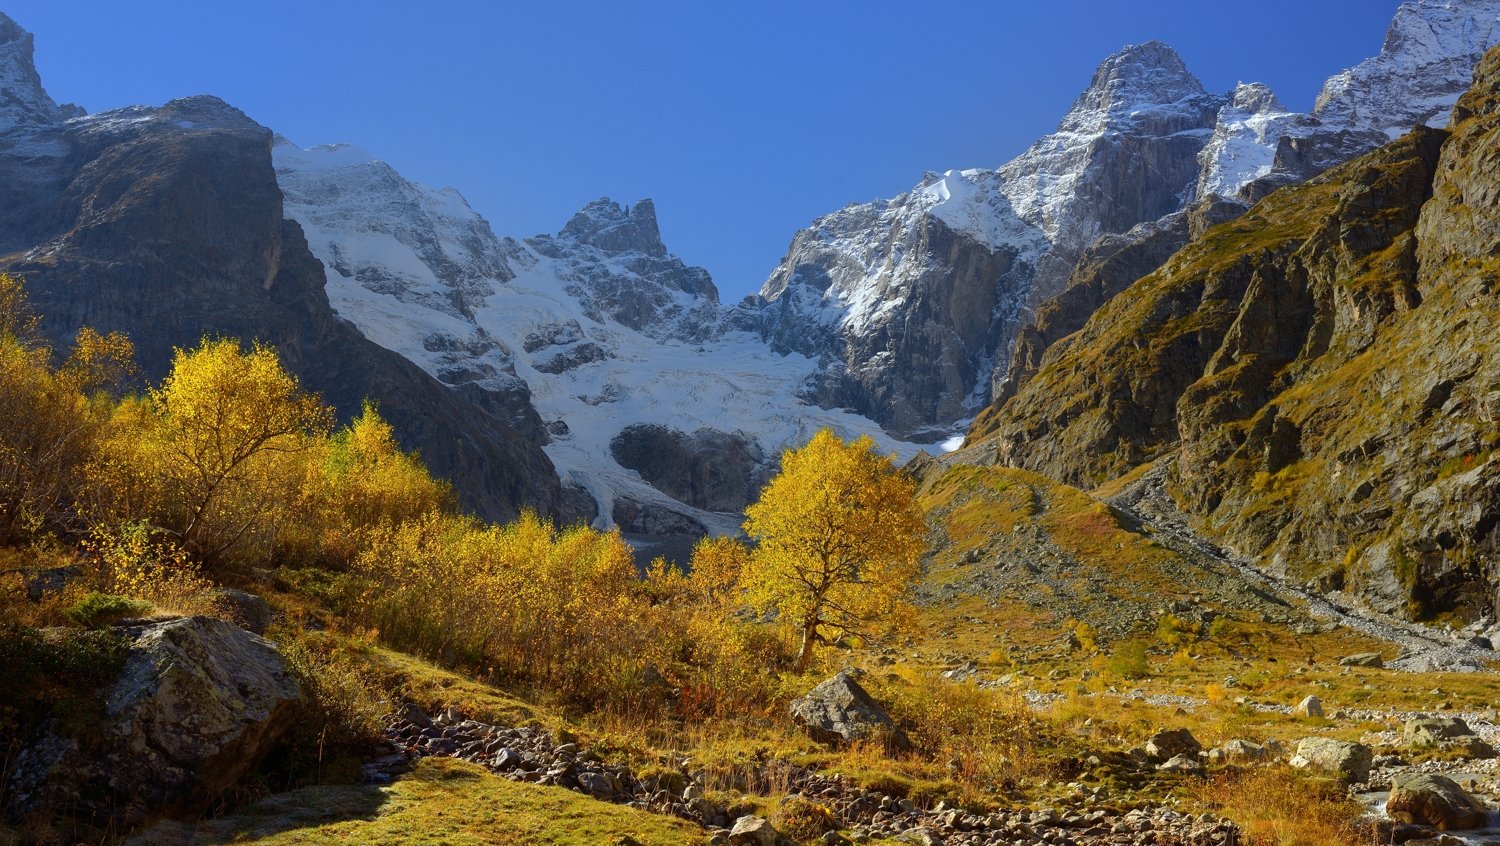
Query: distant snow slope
[[600, 323]]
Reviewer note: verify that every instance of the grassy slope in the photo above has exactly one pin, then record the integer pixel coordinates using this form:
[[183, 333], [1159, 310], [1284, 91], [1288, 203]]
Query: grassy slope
[[444, 802]]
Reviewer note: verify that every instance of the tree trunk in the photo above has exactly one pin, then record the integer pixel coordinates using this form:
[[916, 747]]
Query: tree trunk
[[809, 638]]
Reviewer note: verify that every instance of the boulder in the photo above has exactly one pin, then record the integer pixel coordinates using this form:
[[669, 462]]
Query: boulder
[[1240, 751], [1182, 764], [1430, 731], [1312, 706], [248, 611], [752, 831], [1171, 743], [840, 711], [197, 705], [1363, 659], [1434, 800], [1349, 761]]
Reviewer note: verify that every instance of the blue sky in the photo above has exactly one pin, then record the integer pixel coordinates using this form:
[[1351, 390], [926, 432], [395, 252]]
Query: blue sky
[[744, 121]]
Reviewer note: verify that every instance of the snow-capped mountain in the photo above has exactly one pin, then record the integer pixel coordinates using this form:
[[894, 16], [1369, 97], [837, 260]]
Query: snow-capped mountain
[[1426, 62], [662, 417], [910, 303]]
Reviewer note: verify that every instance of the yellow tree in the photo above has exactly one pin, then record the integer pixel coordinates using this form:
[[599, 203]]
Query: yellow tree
[[838, 538], [226, 415]]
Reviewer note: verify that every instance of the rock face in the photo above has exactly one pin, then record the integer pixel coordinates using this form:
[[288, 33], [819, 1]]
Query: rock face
[[1319, 374], [612, 259], [910, 304], [840, 711], [167, 223], [198, 704], [1421, 70], [709, 469], [1349, 761], [1434, 800]]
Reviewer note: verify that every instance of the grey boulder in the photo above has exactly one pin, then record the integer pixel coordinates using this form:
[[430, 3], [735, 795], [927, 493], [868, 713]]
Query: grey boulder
[[840, 711], [198, 704]]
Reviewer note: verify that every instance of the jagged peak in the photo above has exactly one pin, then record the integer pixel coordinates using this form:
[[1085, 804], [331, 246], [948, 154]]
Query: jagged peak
[[1149, 73], [613, 228], [1256, 98], [23, 100]]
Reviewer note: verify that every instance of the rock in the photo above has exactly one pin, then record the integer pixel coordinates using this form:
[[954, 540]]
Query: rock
[[840, 711], [42, 582], [1170, 744], [1363, 659], [198, 704], [752, 831], [1242, 751], [1349, 761], [597, 785], [1312, 706], [246, 610], [1429, 731], [708, 469], [1182, 764], [1434, 800]]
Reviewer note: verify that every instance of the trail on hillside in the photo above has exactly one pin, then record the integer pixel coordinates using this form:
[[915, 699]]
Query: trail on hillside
[[1423, 649]]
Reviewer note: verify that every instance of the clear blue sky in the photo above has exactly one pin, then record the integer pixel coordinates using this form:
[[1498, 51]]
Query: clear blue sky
[[744, 121]]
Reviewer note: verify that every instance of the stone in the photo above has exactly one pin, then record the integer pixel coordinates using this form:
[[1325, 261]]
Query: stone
[[1434, 800], [1242, 751], [246, 610], [752, 831], [839, 710], [199, 702], [1311, 706], [1182, 764], [1429, 731], [1349, 761], [1363, 659], [597, 785], [1171, 743]]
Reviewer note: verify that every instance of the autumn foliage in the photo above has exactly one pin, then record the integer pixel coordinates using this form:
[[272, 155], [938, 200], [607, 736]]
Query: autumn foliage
[[838, 537]]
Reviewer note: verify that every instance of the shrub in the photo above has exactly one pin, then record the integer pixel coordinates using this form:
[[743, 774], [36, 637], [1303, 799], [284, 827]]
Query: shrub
[[53, 674], [342, 704], [804, 820], [1279, 807], [99, 609], [134, 562], [1129, 660]]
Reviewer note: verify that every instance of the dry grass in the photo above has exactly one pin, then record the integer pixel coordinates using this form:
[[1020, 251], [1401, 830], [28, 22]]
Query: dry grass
[[1278, 807]]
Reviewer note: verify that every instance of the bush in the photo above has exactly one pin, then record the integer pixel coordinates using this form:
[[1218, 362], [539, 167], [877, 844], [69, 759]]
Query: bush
[[803, 820], [53, 674], [1129, 660], [1278, 807], [342, 706], [102, 609]]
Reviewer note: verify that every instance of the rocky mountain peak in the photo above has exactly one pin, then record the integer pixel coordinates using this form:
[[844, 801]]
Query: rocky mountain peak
[[1427, 60], [23, 100], [608, 226], [1255, 98], [1139, 74]]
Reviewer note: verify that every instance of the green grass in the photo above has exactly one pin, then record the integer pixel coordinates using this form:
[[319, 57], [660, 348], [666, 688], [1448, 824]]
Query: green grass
[[443, 802]]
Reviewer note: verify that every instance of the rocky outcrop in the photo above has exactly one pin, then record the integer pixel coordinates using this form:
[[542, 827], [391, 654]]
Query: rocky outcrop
[[1109, 265], [611, 257], [1423, 66], [708, 469], [840, 711], [1434, 800], [1348, 761], [167, 224], [196, 707], [911, 303]]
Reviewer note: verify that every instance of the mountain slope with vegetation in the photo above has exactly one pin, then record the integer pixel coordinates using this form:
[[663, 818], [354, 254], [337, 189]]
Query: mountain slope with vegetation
[[1321, 371]]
